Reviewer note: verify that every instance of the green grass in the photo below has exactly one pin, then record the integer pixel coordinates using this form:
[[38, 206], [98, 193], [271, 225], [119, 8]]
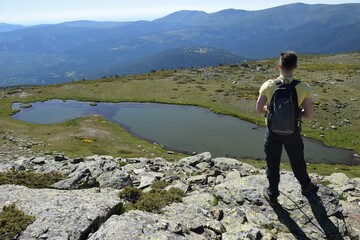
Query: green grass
[[325, 183], [330, 76], [342, 197], [13, 221]]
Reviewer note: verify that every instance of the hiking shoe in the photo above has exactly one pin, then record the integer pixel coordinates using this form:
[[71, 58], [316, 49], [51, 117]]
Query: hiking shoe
[[271, 200], [311, 187]]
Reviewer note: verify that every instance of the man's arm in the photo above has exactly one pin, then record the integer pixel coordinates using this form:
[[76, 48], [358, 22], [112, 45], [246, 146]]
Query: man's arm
[[308, 108], [261, 108]]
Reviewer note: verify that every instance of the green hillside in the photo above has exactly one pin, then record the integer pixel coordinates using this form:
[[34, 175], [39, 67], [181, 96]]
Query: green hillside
[[228, 89]]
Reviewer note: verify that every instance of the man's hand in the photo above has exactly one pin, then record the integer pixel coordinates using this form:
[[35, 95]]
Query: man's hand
[[308, 108]]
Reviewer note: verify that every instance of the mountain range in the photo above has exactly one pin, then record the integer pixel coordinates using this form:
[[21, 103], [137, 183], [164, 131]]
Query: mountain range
[[54, 53]]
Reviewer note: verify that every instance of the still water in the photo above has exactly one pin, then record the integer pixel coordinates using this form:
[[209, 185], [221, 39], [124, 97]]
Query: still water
[[180, 128]]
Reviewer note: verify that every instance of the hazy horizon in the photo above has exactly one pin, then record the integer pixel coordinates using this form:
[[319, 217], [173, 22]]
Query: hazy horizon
[[34, 12]]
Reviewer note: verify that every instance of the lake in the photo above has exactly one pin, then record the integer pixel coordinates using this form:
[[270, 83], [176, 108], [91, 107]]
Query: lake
[[180, 128]]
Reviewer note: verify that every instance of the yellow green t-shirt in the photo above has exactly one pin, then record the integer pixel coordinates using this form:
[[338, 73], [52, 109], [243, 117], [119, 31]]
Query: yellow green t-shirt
[[303, 90]]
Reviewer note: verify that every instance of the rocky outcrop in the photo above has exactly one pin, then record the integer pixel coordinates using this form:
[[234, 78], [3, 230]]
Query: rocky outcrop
[[61, 214], [223, 201]]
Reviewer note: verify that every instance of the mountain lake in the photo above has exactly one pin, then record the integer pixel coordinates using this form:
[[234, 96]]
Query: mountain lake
[[186, 129]]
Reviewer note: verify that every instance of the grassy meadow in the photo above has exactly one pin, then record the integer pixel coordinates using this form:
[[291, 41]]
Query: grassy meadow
[[232, 90]]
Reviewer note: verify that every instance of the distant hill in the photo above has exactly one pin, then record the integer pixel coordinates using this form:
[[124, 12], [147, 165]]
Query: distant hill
[[185, 58], [4, 27], [71, 51]]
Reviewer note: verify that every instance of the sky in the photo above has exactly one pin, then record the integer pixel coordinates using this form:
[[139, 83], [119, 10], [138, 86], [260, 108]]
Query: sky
[[32, 12]]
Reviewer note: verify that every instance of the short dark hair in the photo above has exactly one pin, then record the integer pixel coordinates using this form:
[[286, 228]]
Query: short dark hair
[[288, 60]]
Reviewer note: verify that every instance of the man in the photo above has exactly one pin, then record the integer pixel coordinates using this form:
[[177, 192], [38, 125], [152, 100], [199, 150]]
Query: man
[[293, 143]]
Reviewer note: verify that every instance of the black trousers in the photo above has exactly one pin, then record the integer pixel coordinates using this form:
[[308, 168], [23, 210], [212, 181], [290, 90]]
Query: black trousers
[[294, 147]]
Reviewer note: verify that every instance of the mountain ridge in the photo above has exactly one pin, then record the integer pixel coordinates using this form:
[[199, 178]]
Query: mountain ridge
[[44, 54]]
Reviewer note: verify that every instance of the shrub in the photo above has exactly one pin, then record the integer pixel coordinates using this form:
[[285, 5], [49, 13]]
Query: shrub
[[156, 199], [159, 185], [30, 179], [13, 221], [130, 194], [152, 201], [215, 201]]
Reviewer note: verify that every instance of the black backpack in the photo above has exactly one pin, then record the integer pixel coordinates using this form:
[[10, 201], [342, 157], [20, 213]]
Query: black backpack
[[283, 116]]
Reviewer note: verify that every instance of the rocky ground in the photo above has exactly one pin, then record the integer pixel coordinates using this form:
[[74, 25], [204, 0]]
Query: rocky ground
[[223, 201]]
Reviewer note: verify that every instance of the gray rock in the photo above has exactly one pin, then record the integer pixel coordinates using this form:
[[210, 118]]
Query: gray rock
[[146, 181], [224, 200], [194, 214], [245, 234], [194, 160], [139, 225], [347, 188], [60, 157], [38, 160], [116, 179], [77, 180], [178, 184], [203, 166], [245, 194], [338, 179], [233, 176], [219, 179], [159, 162], [199, 179], [211, 181], [77, 160], [65, 215], [228, 164]]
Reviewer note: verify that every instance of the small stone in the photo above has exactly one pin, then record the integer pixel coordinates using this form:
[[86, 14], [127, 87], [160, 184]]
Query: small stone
[[77, 160], [347, 188], [333, 127], [38, 160], [138, 171], [217, 214], [200, 179], [60, 157], [347, 121], [219, 179], [211, 181]]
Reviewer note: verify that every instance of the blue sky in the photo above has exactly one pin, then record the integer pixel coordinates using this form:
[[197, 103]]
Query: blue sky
[[30, 12]]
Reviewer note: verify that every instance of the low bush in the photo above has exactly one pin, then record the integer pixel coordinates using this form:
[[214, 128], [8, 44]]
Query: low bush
[[30, 179], [130, 194], [152, 201], [13, 221]]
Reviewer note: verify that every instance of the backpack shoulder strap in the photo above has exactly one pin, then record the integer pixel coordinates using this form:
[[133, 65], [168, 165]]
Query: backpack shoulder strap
[[294, 82], [278, 82], [295, 98]]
